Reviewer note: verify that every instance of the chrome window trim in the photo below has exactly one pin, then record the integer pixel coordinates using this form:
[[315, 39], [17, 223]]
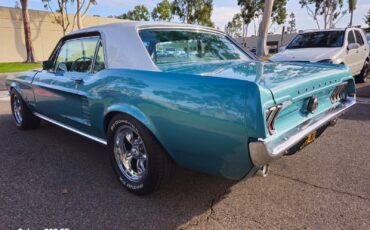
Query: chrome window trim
[[97, 139], [197, 30], [71, 39]]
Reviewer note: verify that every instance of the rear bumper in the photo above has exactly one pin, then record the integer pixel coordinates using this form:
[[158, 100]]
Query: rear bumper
[[265, 150]]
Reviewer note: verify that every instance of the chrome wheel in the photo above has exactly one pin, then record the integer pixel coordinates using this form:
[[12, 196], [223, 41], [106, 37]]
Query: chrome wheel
[[17, 109], [130, 153]]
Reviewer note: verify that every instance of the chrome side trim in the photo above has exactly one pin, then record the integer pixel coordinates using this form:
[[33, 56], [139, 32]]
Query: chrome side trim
[[265, 150], [101, 141]]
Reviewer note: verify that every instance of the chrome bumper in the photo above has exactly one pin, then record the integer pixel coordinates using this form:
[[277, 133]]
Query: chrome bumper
[[265, 150]]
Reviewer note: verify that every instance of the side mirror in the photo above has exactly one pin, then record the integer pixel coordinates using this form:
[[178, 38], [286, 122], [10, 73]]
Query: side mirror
[[353, 46], [62, 67], [47, 65]]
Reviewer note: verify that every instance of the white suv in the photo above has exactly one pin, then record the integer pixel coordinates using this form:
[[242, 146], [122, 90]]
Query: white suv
[[336, 46]]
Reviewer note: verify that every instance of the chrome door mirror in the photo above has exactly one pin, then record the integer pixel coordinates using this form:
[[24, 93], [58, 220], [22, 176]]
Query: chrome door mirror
[[46, 65], [353, 46], [282, 48]]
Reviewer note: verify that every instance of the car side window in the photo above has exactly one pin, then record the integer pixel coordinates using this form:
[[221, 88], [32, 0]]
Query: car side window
[[99, 61], [76, 55], [359, 38], [351, 38]]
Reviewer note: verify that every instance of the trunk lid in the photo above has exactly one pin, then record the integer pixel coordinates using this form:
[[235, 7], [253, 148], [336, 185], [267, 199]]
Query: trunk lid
[[291, 84]]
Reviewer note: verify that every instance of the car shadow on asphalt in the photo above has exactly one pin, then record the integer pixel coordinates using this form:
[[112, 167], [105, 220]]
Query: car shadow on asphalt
[[70, 177], [359, 112]]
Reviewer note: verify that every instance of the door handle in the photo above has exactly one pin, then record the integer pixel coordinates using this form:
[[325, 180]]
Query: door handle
[[78, 80]]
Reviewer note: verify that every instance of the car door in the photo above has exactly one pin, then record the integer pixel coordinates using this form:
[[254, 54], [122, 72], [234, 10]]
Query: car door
[[56, 90], [363, 52], [353, 55]]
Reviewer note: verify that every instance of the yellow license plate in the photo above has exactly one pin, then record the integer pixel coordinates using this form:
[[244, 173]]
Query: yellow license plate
[[310, 138]]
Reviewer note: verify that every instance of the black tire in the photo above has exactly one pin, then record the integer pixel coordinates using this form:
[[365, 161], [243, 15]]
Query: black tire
[[157, 163], [362, 77], [23, 118]]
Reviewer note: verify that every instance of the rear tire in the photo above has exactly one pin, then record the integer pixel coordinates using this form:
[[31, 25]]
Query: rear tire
[[23, 117], [362, 77], [138, 159]]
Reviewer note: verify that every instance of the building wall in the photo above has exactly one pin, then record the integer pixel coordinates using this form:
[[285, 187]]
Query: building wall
[[45, 33], [251, 42]]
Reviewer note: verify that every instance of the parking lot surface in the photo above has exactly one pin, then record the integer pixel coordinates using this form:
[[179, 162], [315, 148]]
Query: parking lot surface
[[52, 178]]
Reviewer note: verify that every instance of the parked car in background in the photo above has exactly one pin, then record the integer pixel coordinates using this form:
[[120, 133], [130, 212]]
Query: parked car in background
[[336, 46], [214, 108]]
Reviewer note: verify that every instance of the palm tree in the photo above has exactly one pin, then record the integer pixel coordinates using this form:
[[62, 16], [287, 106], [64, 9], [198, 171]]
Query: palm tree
[[351, 7], [27, 31]]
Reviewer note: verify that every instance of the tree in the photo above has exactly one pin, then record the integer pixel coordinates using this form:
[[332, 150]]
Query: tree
[[162, 12], [61, 14], [351, 8], [252, 9], [249, 11], [263, 28], [234, 28], [79, 8], [279, 13], [292, 25], [367, 18], [331, 11], [139, 13], [194, 11], [27, 32]]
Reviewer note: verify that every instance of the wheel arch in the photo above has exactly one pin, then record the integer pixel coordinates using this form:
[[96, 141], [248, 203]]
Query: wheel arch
[[136, 114], [133, 112]]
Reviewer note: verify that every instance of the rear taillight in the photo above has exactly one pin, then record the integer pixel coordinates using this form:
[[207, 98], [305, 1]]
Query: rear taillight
[[339, 93], [271, 115]]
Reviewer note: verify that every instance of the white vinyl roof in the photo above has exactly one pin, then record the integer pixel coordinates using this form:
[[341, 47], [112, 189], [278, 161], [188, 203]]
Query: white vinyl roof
[[123, 46]]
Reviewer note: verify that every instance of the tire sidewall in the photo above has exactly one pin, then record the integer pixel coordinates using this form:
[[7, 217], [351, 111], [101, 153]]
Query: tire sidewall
[[141, 186], [14, 94]]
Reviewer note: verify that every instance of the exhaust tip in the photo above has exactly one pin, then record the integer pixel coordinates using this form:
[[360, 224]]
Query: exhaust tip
[[264, 170]]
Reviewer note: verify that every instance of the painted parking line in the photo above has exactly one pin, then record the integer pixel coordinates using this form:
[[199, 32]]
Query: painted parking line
[[363, 101]]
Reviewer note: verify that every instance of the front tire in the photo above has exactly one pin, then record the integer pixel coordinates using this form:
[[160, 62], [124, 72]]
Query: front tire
[[23, 117], [362, 77], [138, 159]]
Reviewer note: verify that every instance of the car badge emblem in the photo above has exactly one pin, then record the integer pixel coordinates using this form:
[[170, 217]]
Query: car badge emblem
[[312, 105]]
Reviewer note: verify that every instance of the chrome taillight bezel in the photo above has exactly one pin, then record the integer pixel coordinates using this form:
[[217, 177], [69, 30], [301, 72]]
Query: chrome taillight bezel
[[339, 93], [271, 115]]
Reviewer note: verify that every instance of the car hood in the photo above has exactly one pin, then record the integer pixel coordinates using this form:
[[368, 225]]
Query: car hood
[[274, 76], [306, 55]]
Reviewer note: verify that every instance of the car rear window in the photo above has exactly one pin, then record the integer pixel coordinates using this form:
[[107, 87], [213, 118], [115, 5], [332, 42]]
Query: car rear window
[[186, 46]]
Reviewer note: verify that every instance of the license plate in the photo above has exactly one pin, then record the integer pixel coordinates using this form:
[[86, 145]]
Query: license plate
[[310, 138]]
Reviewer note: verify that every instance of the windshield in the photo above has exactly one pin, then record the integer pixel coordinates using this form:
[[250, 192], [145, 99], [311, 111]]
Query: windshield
[[317, 39], [182, 46], [368, 37]]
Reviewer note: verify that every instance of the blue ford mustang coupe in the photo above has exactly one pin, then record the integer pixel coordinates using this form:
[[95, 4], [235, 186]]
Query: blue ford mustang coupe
[[158, 93]]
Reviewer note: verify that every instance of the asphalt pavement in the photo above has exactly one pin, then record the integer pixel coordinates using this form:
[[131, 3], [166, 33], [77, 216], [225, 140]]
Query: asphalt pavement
[[52, 178]]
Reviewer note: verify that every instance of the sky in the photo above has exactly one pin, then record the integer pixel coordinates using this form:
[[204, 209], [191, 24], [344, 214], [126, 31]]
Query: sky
[[223, 11]]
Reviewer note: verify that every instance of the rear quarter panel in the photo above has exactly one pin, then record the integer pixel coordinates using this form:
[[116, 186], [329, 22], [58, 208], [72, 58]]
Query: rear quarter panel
[[203, 122]]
